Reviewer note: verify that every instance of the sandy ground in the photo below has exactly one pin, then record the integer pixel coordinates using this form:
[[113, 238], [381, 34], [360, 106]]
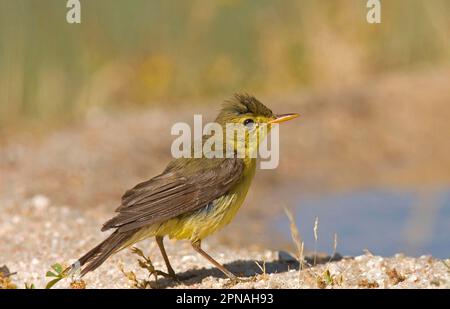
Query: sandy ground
[[35, 234]]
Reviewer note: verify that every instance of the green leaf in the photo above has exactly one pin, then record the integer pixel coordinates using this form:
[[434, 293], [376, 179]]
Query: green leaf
[[52, 283], [51, 274], [57, 267], [328, 277]]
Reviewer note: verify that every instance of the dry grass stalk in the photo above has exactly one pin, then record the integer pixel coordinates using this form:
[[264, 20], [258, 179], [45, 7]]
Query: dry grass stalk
[[316, 238], [299, 244], [335, 243], [263, 269]]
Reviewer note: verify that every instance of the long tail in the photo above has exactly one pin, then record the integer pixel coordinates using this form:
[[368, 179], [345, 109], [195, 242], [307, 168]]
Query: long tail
[[95, 257]]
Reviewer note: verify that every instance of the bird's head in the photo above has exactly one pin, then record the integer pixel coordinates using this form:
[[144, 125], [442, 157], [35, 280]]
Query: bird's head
[[249, 113]]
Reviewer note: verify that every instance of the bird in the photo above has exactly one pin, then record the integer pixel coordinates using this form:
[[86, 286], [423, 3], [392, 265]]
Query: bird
[[193, 197]]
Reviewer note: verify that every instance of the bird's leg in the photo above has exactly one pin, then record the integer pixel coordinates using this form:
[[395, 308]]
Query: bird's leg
[[197, 247], [159, 241]]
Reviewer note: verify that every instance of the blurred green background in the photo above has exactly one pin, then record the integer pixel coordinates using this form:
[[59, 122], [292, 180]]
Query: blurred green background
[[139, 52]]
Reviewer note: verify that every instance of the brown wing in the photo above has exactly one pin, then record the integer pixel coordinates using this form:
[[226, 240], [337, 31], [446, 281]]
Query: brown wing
[[186, 185]]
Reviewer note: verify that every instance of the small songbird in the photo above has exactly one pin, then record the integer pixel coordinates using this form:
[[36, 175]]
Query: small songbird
[[193, 197]]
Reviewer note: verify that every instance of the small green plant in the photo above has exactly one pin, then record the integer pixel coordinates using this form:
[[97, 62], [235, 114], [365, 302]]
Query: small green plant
[[56, 272], [30, 286], [135, 282], [59, 272], [146, 263], [327, 279]]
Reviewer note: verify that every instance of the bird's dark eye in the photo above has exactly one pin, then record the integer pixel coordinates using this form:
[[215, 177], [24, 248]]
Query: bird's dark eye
[[249, 123]]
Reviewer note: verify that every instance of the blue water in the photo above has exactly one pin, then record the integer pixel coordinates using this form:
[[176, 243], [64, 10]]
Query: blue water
[[383, 221]]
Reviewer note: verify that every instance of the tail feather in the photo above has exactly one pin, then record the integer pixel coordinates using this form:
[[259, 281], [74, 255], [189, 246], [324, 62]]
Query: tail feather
[[96, 256]]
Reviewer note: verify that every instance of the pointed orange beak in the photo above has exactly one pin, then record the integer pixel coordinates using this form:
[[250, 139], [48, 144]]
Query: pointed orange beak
[[283, 118]]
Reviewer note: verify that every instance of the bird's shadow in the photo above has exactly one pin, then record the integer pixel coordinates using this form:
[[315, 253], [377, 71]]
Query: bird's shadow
[[243, 269]]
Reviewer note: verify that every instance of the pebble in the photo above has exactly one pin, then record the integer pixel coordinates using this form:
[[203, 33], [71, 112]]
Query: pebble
[[187, 258], [40, 202], [16, 219]]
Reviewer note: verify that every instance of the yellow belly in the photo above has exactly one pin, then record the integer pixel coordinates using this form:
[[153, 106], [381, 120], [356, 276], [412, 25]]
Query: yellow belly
[[200, 223], [203, 222]]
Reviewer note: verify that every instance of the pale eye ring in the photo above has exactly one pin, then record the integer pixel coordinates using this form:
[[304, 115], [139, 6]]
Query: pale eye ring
[[249, 123]]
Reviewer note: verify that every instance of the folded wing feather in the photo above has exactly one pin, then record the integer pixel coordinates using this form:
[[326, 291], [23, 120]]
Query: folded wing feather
[[175, 192]]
